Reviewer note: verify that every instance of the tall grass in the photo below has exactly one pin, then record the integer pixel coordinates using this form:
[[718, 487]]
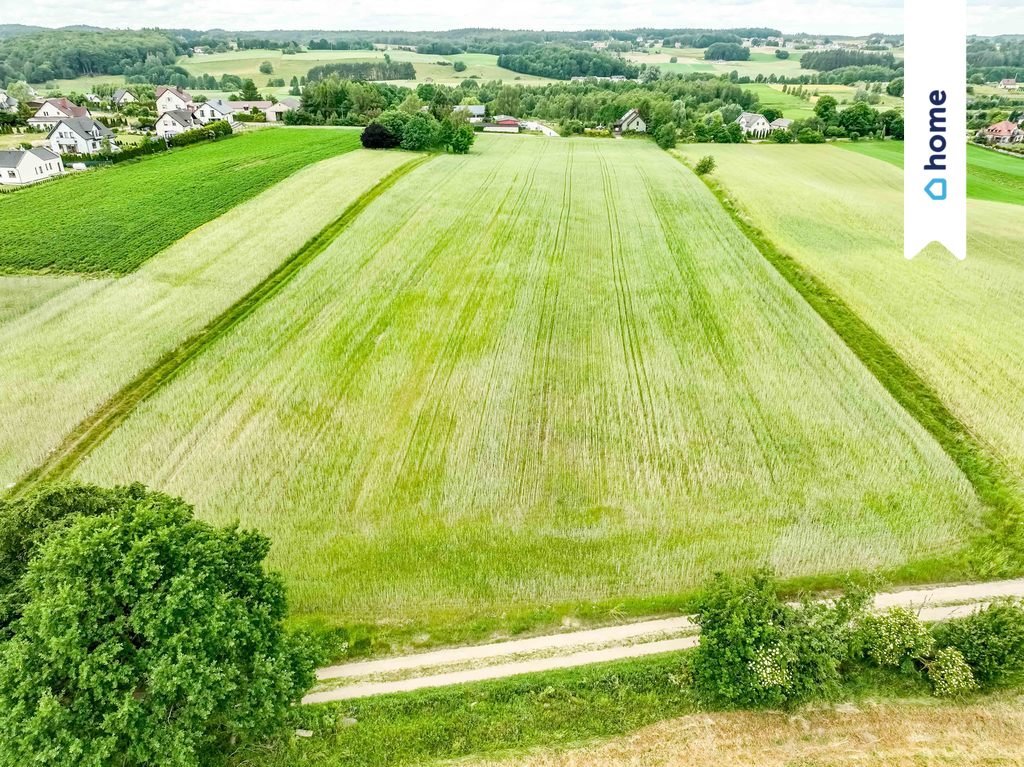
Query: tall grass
[[546, 372], [112, 220], [69, 345]]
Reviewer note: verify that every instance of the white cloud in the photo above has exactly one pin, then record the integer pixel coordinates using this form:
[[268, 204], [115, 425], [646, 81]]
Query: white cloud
[[818, 16]]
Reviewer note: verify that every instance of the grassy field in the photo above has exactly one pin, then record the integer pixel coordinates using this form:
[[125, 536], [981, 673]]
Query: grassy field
[[762, 62], [990, 175], [792, 107], [550, 372], [137, 209], [67, 344], [956, 324]]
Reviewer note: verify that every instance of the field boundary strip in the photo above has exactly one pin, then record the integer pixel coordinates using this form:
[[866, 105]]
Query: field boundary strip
[[92, 431], [999, 549]]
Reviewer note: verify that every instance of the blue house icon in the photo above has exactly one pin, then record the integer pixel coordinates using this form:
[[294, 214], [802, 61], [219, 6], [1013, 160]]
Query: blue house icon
[[936, 189]]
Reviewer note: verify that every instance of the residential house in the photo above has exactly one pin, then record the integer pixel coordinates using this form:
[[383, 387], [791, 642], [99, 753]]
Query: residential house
[[781, 124], [1010, 84], [506, 121], [475, 112], [275, 113], [7, 102], [176, 121], [169, 99], [213, 110], [631, 122], [81, 135], [754, 124], [92, 98], [1005, 132], [23, 166], [250, 107], [123, 96], [52, 111]]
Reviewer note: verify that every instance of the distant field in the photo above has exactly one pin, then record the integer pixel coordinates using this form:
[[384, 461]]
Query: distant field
[[792, 107], [548, 372], [990, 175], [131, 211], [762, 62], [68, 343], [959, 325]]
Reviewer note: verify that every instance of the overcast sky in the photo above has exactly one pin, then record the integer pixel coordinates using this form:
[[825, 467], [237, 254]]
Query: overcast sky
[[852, 17]]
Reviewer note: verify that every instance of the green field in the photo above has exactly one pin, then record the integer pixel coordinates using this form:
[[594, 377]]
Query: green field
[[68, 344], [792, 107], [129, 212], [762, 62], [549, 372], [958, 324], [990, 175]]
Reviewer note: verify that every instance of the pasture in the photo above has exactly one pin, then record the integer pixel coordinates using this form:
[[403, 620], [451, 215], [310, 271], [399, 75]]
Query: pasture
[[762, 62], [990, 175], [68, 344], [792, 107], [957, 324], [551, 372], [138, 208]]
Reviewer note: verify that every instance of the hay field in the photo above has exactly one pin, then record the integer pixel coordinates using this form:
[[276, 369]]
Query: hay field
[[959, 325], [762, 62], [548, 372], [68, 344]]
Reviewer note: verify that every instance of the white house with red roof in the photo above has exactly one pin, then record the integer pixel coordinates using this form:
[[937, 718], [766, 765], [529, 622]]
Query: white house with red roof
[[52, 111], [1009, 84], [1005, 132]]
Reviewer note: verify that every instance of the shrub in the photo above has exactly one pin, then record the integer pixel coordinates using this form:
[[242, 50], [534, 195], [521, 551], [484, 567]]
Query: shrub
[[570, 127], [781, 137], [665, 136], [266, 68], [991, 641], [705, 166], [894, 638], [950, 675], [781, 53], [146, 638], [808, 136], [459, 66], [420, 133], [376, 136]]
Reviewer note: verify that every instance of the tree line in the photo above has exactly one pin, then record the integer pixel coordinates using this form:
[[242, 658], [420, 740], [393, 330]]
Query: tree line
[[561, 62], [365, 70]]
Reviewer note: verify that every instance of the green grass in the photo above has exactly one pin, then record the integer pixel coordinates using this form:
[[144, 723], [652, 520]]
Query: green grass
[[70, 344], [792, 107], [546, 373], [952, 324], [990, 175], [762, 62], [127, 213]]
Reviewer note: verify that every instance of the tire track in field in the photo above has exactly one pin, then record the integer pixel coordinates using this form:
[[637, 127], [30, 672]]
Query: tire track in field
[[94, 430]]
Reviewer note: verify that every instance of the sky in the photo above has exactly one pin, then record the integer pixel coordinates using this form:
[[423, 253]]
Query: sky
[[849, 17]]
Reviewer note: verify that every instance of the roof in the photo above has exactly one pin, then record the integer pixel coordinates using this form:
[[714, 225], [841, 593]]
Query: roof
[[781, 122], [1005, 127], [219, 105], [13, 157], [284, 105], [746, 118], [505, 118], [478, 110], [183, 95], [83, 126], [72, 110], [121, 92], [180, 116], [250, 104], [1008, 81]]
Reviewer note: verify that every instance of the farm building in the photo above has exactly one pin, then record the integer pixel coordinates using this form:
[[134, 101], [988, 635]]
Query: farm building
[[81, 135], [176, 121], [1009, 84], [28, 166], [7, 102], [52, 111], [123, 96], [781, 124], [754, 124], [631, 122], [169, 99], [275, 112], [507, 120], [1005, 132], [475, 112]]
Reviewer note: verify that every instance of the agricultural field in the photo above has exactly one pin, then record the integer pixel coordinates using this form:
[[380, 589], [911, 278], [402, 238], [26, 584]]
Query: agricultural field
[[137, 209], [990, 175], [68, 344], [762, 62], [957, 324], [792, 107], [549, 372]]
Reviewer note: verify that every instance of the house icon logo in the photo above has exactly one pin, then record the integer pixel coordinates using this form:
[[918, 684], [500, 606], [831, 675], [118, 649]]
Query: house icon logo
[[936, 189]]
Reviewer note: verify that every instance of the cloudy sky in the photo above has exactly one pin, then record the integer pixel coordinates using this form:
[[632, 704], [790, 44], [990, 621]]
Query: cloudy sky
[[986, 17]]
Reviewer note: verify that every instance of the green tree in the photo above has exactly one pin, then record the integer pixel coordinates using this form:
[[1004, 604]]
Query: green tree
[[420, 133], [146, 638], [859, 118], [826, 109], [459, 66], [248, 91], [895, 87], [266, 68], [705, 165], [665, 136]]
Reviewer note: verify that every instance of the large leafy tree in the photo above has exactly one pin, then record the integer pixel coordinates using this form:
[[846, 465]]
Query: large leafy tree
[[144, 637]]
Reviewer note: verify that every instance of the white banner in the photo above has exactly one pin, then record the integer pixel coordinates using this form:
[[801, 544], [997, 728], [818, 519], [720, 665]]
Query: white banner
[[935, 126]]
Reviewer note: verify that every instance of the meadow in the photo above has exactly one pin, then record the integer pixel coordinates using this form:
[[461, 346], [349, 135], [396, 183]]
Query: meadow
[[990, 175], [68, 343], [546, 373], [136, 209], [763, 61], [957, 324]]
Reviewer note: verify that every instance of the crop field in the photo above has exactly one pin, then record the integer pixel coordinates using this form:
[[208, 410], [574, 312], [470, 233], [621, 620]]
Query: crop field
[[129, 212], [792, 107], [762, 62], [957, 324], [990, 175], [548, 372], [68, 343]]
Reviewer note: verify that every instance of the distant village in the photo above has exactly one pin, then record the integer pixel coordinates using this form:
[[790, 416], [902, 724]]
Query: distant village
[[72, 132]]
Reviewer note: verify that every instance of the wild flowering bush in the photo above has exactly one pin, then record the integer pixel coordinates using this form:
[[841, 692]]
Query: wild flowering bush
[[895, 637], [950, 675], [991, 641]]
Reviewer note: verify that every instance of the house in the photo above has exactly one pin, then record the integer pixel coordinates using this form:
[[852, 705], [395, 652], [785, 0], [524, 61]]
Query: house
[[475, 112], [123, 96], [631, 122], [7, 102], [250, 107], [169, 99], [81, 135], [52, 111], [28, 166], [506, 121], [211, 111], [275, 113], [176, 121], [1009, 84], [754, 124], [781, 124], [1005, 132], [617, 78], [92, 98]]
